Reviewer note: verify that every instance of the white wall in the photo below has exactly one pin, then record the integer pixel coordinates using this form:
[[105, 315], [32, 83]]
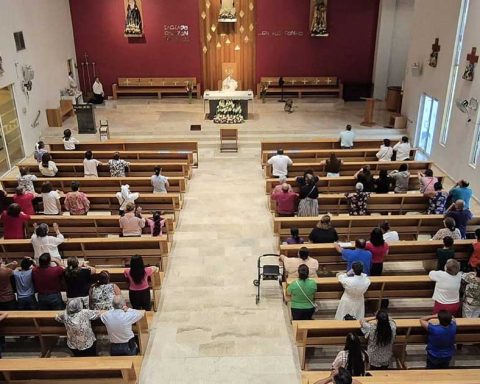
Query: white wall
[[48, 34], [393, 41]]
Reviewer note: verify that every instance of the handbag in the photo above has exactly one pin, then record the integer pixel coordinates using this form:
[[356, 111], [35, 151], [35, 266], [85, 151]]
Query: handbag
[[317, 308]]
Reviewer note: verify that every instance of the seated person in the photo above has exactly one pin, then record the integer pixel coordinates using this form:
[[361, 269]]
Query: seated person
[[352, 357], [286, 201], [25, 200], [382, 182], [333, 165], [25, 180], [402, 149], [118, 166], [47, 167], [388, 235], [341, 376], [461, 215], [474, 260], [159, 182], [427, 181], [42, 243], [132, 222], [14, 220], [51, 200], [445, 253], [386, 151], [76, 202], [323, 232], [90, 165], [291, 264], [401, 178], [461, 191], [294, 237], [365, 177], [358, 201], [156, 223], [69, 142], [40, 150], [346, 138], [437, 200], [448, 230], [102, 292], [281, 180]]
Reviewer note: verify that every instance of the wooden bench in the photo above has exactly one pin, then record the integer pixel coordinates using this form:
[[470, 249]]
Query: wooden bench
[[399, 251], [330, 143], [169, 169], [351, 167], [55, 116], [349, 228], [319, 333], [69, 370], [317, 155], [324, 85], [156, 86], [109, 251], [138, 146], [340, 184]]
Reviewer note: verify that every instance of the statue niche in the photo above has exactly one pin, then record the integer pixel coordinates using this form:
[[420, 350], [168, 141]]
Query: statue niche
[[133, 19], [227, 13], [318, 25]]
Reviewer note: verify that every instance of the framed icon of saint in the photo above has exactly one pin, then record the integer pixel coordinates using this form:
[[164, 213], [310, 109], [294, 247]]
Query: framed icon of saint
[[133, 18]]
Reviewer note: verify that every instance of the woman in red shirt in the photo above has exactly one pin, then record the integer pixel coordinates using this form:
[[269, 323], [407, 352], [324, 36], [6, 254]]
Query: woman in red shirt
[[379, 249], [14, 220]]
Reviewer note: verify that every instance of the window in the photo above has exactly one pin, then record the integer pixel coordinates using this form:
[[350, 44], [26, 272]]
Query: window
[[427, 121], [476, 144], [452, 84]]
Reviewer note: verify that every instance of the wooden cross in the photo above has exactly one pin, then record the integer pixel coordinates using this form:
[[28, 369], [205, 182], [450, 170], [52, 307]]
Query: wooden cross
[[436, 47], [472, 57]]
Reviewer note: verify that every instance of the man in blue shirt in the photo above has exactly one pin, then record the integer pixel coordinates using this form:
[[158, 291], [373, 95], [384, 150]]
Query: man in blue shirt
[[441, 339], [357, 254], [461, 192], [461, 215]]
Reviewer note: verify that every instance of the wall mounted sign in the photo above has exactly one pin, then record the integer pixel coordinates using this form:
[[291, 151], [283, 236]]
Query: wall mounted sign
[[176, 32]]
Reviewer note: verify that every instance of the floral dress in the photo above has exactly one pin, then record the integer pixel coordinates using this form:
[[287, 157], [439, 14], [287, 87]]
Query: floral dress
[[357, 203], [102, 297], [80, 335], [380, 355], [436, 204], [117, 167]]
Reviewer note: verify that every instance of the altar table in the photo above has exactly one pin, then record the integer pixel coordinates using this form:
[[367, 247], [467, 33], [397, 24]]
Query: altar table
[[214, 97]]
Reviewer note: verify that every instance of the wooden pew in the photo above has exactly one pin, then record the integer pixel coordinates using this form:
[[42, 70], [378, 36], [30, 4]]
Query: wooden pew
[[340, 184], [156, 86], [328, 257], [323, 85], [98, 185], [330, 143], [108, 251], [428, 376], [130, 156], [393, 203], [349, 228], [350, 168], [43, 325], [69, 370], [169, 169], [138, 146], [318, 333], [317, 155]]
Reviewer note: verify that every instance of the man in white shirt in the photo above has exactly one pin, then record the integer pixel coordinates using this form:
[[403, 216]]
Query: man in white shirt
[[98, 95], [280, 163], [119, 321], [347, 137], [386, 151], [403, 149]]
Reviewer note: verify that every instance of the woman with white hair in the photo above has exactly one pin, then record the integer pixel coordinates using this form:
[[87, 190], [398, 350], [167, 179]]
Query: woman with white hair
[[357, 202], [124, 197], [80, 337], [447, 288]]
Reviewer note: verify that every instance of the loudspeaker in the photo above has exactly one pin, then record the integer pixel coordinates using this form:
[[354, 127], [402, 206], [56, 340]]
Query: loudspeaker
[[195, 127]]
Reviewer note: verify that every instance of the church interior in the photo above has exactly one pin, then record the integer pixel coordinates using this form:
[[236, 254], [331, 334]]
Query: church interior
[[213, 141]]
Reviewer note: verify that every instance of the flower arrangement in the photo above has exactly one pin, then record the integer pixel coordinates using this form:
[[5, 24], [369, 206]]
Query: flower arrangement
[[227, 14], [263, 92], [228, 113]]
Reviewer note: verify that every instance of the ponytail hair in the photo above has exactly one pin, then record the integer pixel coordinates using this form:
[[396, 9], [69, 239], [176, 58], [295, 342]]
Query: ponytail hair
[[449, 223], [157, 171], [157, 224]]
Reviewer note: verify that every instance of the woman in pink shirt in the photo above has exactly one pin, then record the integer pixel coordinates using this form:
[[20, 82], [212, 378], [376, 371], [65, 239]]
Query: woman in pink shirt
[[132, 223], [139, 290], [379, 249], [14, 220], [76, 202], [427, 181], [25, 200]]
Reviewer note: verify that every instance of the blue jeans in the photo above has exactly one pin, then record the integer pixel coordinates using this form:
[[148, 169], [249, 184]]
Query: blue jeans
[[50, 302], [124, 349], [436, 363], [28, 303]]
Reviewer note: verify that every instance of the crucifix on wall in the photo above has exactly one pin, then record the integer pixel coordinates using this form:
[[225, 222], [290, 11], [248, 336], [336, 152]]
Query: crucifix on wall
[[434, 55], [472, 59]]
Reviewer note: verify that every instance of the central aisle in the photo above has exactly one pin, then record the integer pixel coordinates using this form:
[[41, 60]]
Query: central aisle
[[209, 329]]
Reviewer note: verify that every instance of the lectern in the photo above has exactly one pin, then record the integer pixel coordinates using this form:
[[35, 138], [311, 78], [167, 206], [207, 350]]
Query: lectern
[[369, 110], [85, 118]]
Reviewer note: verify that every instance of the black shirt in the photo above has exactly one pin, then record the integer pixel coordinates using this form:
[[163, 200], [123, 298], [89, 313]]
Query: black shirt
[[319, 235], [78, 284], [382, 185], [367, 181]]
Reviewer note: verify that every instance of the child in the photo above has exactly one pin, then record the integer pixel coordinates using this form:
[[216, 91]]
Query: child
[[24, 283], [156, 223], [445, 253], [25, 180], [90, 165], [39, 151], [69, 142]]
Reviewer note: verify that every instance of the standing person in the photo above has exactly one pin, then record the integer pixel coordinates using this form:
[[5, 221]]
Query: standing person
[[159, 182], [402, 149], [357, 254], [47, 167], [51, 200], [401, 178], [7, 294], [388, 235], [25, 200], [124, 197], [80, 337], [461, 215], [447, 287], [102, 292], [353, 357], [437, 200], [346, 138], [40, 150], [302, 292], [98, 94], [471, 300], [380, 332], [333, 165], [294, 237], [382, 182], [76, 202], [77, 279], [46, 244], [355, 283], [358, 201], [308, 205], [47, 280], [461, 191], [291, 264], [156, 223], [441, 339], [24, 285], [118, 167], [69, 142], [286, 201], [14, 220], [379, 249], [139, 290], [446, 253], [323, 232], [448, 230], [90, 165], [25, 180], [280, 163], [365, 177], [132, 222], [386, 151], [118, 322], [427, 182], [474, 259]]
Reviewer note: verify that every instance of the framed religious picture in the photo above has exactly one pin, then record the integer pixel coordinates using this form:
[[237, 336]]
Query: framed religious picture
[[133, 18], [472, 59], [433, 60], [318, 18]]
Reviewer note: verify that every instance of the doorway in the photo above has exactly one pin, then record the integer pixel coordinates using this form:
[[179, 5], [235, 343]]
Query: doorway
[[427, 122]]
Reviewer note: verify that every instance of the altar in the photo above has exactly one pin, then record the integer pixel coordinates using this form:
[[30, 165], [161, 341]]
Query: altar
[[240, 97]]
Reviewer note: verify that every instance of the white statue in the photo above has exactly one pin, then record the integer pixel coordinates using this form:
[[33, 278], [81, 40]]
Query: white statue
[[227, 10], [229, 84]]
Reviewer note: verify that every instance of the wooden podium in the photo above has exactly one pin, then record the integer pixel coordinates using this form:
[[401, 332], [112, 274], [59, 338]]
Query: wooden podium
[[369, 110]]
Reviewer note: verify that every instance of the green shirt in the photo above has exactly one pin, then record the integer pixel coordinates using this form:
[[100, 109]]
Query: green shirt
[[301, 300]]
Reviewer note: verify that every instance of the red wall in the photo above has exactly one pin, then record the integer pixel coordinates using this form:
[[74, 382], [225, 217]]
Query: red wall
[[98, 30], [347, 52]]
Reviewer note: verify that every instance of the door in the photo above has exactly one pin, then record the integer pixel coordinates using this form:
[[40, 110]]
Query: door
[[427, 122]]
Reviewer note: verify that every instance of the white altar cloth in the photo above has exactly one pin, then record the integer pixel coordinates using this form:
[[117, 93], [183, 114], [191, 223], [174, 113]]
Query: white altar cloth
[[228, 95]]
